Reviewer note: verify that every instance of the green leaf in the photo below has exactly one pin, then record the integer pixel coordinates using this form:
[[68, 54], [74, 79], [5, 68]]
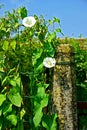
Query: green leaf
[[37, 52], [44, 101], [41, 99], [16, 25], [6, 108], [38, 116], [17, 79], [22, 113], [50, 22], [5, 45], [49, 122], [56, 20], [39, 104], [0, 123], [41, 96], [12, 82], [41, 91], [15, 97], [20, 125], [4, 80], [13, 44], [7, 31], [59, 31], [2, 57], [51, 36], [2, 98], [13, 119], [0, 111], [39, 64], [46, 86], [22, 12], [48, 48]]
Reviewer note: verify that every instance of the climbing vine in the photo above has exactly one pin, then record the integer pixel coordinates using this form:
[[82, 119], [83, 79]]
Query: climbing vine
[[27, 48]]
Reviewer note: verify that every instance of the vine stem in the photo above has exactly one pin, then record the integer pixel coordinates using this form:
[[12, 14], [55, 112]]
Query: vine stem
[[31, 76]]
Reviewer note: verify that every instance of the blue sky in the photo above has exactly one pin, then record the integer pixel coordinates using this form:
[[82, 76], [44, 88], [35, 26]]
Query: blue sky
[[72, 13]]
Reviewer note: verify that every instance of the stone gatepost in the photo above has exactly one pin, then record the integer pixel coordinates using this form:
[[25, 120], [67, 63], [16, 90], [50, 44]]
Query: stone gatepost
[[64, 89]]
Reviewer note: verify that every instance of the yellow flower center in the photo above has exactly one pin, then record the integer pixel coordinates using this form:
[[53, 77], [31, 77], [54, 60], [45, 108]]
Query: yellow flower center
[[28, 22], [49, 63]]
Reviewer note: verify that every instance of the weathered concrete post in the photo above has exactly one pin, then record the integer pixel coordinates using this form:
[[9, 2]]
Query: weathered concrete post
[[64, 90]]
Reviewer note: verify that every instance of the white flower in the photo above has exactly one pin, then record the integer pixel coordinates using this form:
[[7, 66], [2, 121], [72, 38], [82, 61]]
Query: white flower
[[29, 21], [49, 62]]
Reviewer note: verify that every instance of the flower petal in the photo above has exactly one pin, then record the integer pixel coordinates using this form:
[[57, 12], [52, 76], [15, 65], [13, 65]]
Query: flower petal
[[49, 62], [29, 21]]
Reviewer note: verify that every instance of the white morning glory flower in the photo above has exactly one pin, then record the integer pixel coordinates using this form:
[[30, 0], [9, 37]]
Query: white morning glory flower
[[29, 21], [49, 62]]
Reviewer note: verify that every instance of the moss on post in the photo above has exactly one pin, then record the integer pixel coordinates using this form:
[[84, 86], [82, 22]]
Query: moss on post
[[64, 90]]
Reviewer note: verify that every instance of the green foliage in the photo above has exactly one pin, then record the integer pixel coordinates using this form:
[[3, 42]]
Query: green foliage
[[13, 119], [83, 122], [81, 76], [80, 60], [49, 122], [41, 101], [22, 74], [2, 98], [22, 12]]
